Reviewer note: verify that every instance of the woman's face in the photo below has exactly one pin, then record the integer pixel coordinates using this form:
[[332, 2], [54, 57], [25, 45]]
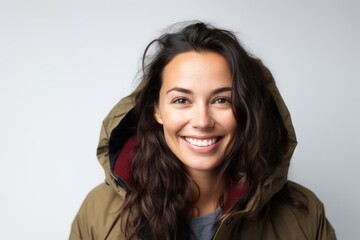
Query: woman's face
[[195, 109]]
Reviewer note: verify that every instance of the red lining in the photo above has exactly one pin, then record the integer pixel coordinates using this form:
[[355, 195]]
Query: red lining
[[123, 162], [234, 194]]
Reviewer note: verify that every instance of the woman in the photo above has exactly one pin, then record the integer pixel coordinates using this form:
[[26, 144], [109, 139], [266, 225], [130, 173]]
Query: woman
[[200, 150]]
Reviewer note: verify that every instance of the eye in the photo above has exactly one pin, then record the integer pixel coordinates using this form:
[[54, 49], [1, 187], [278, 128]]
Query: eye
[[180, 101], [222, 100]]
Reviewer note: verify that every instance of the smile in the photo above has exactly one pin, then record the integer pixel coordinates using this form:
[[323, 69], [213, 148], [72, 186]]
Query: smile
[[201, 142]]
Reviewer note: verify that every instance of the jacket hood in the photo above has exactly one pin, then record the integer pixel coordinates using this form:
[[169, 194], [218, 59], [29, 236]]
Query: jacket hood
[[119, 122], [279, 177], [117, 142]]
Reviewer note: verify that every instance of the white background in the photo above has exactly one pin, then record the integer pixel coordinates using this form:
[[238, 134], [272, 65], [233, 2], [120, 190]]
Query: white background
[[64, 64]]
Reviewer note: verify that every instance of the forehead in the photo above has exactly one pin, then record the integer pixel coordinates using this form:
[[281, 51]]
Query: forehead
[[197, 68]]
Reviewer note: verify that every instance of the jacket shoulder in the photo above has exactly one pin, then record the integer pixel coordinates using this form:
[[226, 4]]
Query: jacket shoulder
[[312, 221], [98, 216]]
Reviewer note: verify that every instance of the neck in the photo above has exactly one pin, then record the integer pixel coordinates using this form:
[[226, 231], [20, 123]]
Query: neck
[[210, 192]]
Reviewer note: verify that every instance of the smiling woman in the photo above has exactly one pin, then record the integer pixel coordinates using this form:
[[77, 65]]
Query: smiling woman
[[200, 150], [199, 128], [195, 111]]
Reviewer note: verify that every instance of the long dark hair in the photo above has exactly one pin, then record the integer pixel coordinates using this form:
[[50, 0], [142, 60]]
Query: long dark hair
[[163, 193]]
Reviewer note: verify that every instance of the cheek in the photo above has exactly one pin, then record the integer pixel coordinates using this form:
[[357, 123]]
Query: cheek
[[172, 125], [173, 120], [230, 124], [171, 136]]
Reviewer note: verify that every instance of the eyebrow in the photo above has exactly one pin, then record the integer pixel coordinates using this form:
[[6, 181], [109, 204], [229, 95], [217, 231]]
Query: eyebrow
[[188, 91]]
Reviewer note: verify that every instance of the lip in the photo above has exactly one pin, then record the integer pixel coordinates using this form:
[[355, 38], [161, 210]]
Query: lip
[[202, 149]]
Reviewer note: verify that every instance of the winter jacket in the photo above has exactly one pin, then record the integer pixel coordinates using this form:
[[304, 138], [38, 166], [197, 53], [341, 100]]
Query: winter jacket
[[98, 217]]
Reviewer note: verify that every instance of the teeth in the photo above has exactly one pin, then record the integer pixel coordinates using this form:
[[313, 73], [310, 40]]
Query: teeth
[[201, 143]]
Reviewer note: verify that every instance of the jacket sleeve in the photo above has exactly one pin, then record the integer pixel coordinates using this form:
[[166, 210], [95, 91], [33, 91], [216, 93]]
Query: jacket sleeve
[[325, 230], [313, 221], [99, 215], [88, 224], [79, 227]]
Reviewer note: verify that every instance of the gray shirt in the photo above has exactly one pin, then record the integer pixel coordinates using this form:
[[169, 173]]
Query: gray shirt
[[202, 228]]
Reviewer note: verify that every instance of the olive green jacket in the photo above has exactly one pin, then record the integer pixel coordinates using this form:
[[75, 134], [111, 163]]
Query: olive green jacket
[[98, 217]]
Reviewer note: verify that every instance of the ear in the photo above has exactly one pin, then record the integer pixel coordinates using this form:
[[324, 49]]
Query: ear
[[157, 114]]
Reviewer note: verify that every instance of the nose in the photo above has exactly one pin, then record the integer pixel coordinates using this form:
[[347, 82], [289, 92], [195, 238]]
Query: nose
[[202, 117]]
